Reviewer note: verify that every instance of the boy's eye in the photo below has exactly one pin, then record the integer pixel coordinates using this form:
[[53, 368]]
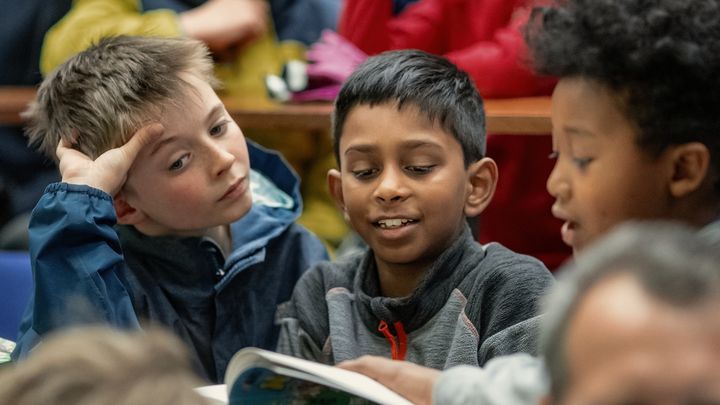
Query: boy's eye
[[582, 163], [420, 169], [218, 129], [364, 173], [179, 164]]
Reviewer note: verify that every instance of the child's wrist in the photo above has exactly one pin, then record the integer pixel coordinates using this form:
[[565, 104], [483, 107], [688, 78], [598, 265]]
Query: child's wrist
[[85, 181]]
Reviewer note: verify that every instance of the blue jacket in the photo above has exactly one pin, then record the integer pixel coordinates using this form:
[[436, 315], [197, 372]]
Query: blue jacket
[[88, 270]]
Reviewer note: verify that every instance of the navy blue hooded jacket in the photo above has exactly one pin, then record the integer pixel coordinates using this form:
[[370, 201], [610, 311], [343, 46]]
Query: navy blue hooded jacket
[[88, 270]]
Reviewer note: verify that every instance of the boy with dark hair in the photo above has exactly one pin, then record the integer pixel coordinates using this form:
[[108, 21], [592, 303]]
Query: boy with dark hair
[[206, 242], [635, 134], [484, 38], [410, 143]]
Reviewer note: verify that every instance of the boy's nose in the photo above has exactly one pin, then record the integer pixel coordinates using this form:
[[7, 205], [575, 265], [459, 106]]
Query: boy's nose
[[556, 184], [222, 159], [391, 187]]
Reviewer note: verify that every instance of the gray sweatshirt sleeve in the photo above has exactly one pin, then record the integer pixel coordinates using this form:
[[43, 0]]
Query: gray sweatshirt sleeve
[[521, 337], [303, 320], [514, 379], [506, 303]]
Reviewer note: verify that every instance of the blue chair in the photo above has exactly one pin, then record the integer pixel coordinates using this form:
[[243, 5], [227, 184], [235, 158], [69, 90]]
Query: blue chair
[[16, 285]]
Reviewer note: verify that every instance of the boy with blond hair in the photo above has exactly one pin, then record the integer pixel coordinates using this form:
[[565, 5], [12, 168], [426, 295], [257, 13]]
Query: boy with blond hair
[[205, 242]]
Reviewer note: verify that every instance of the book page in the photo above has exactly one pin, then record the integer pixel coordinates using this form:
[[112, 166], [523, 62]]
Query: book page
[[340, 379], [214, 394]]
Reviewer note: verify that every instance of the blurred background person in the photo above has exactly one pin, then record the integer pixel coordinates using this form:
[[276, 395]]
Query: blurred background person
[[24, 173], [101, 366], [635, 321]]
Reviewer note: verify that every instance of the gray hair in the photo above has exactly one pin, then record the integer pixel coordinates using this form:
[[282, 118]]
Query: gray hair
[[98, 98], [96, 365], [670, 262]]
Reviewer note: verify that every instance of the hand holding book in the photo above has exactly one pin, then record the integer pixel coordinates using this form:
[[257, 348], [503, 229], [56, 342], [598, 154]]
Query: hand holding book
[[410, 380]]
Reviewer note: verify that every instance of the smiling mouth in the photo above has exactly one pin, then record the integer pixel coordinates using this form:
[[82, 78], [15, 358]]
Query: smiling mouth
[[393, 223]]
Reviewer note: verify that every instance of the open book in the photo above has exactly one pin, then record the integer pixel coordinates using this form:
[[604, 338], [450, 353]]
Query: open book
[[256, 376]]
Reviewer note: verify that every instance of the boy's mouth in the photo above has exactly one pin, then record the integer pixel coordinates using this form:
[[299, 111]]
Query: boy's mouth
[[569, 227], [235, 189], [568, 232], [391, 223]]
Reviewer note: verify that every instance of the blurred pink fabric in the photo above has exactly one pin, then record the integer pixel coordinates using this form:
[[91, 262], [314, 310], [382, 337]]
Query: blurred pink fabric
[[331, 60]]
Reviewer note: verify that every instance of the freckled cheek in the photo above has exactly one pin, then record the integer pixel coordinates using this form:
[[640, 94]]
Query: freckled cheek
[[186, 194]]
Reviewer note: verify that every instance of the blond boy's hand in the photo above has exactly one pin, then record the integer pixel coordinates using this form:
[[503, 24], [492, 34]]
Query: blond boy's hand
[[410, 380], [109, 171]]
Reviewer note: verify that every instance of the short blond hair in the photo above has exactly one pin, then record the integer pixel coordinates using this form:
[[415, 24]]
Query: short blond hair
[[98, 98], [101, 366]]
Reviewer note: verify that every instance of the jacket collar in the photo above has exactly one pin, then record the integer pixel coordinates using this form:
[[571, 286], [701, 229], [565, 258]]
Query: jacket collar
[[431, 294], [276, 201]]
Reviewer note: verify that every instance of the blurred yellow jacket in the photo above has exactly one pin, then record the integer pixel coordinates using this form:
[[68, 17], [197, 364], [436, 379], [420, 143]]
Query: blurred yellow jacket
[[90, 20]]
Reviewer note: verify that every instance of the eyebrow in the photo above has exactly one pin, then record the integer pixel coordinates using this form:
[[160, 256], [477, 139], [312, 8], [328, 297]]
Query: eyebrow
[[362, 148], [161, 144], [408, 145], [416, 144], [578, 131], [214, 112]]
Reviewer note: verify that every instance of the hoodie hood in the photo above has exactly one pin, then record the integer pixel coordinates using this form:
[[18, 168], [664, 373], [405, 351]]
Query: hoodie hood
[[276, 201]]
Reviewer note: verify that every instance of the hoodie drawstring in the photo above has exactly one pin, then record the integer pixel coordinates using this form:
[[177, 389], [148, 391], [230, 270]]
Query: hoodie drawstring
[[398, 346]]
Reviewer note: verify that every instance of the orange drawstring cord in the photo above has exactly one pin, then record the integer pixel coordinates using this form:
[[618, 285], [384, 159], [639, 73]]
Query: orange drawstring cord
[[402, 339], [398, 348]]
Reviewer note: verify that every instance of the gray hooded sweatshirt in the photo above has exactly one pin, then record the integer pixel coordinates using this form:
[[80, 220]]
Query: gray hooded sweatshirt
[[469, 294]]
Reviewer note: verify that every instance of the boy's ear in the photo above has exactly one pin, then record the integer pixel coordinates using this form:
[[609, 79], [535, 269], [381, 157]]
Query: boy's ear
[[482, 179], [334, 180], [691, 164], [126, 213]]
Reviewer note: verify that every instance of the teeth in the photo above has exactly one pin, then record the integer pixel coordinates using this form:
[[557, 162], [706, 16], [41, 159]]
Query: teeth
[[393, 223]]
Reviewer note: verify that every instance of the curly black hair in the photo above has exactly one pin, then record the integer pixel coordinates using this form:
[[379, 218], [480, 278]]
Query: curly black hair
[[662, 57]]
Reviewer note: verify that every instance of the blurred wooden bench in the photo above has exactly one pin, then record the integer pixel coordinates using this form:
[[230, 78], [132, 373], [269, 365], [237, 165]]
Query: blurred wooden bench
[[530, 115]]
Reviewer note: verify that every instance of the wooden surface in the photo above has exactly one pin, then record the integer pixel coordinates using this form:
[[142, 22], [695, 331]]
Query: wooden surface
[[504, 116], [13, 100]]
